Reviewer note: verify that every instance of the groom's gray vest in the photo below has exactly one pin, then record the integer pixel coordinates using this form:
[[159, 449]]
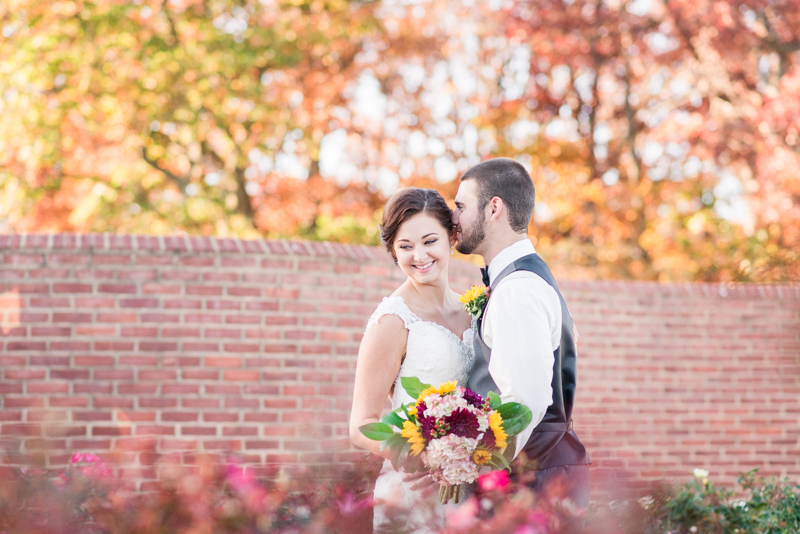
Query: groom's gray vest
[[553, 442]]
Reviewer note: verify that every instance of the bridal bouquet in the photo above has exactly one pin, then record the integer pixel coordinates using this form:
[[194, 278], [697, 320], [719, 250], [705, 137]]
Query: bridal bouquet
[[450, 431]]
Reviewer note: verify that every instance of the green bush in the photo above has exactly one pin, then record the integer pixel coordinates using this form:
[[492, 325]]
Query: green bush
[[756, 505]]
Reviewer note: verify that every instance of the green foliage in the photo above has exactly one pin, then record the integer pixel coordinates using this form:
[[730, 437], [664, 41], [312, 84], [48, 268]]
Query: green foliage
[[757, 505], [769, 507], [377, 431], [516, 417], [413, 386]]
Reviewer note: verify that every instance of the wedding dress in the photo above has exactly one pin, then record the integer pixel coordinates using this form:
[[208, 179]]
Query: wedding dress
[[435, 355]]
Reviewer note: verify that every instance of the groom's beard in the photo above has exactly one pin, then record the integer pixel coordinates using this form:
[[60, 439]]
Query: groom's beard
[[470, 240]]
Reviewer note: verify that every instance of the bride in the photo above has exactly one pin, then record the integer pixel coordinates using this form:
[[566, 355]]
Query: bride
[[420, 330]]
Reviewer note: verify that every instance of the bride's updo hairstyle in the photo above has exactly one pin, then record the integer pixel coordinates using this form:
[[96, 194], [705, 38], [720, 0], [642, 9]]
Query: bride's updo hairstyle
[[405, 204]]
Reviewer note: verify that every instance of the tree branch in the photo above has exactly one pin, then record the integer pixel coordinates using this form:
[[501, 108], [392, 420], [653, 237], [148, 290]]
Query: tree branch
[[180, 181]]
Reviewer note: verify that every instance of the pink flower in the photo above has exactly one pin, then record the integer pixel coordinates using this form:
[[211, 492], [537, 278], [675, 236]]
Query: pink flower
[[89, 457], [494, 480], [97, 470], [76, 458], [463, 517], [349, 505], [61, 481], [538, 519]]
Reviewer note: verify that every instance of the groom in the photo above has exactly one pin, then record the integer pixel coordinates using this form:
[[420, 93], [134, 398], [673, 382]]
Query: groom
[[525, 347]]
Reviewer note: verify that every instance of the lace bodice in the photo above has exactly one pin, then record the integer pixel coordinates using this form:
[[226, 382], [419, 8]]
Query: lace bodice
[[434, 354]]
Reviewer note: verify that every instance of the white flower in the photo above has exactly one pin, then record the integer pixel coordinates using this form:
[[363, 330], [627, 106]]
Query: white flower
[[451, 459], [700, 474], [646, 502]]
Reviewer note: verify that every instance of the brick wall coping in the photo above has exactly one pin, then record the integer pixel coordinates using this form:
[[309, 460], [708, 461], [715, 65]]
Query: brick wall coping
[[188, 244]]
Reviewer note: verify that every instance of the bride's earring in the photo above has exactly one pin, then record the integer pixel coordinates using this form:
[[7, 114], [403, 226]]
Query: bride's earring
[[452, 250]]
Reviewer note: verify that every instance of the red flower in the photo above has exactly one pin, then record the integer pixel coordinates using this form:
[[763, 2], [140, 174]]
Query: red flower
[[463, 423]]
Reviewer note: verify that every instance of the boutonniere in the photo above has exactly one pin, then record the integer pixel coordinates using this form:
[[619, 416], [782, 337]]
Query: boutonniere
[[475, 300]]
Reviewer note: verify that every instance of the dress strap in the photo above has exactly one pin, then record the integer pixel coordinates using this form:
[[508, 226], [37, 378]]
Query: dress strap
[[393, 306]]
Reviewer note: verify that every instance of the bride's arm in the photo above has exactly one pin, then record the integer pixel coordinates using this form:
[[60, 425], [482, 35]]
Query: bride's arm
[[379, 358]]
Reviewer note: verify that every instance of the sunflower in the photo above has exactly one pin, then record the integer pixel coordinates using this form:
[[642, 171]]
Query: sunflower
[[411, 433], [425, 393], [447, 387], [481, 457], [471, 294], [443, 389], [496, 424]]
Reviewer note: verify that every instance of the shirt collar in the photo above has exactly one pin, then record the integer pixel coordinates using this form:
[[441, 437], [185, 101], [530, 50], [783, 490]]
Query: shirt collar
[[509, 255]]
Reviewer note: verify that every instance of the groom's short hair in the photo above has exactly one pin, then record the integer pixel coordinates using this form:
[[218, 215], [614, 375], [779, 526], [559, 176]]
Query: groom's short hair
[[508, 180]]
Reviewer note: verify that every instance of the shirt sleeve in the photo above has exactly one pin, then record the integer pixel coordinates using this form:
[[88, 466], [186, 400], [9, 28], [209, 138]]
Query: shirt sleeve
[[522, 327]]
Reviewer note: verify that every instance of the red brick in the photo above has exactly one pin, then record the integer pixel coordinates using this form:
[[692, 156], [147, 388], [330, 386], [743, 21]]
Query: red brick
[[72, 288], [240, 348], [223, 305], [240, 375], [139, 303], [182, 304], [180, 389], [26, 345], [117, 288], [203, 318], [59, 317], [160, 318], [160, 289], [206, 291], [138, 332], [70, 345], [95, 302], [222, 362], [95, 330], [138, 275], [25, 374], [157, 346], [215, 333], [244, 291], [49, 302], [198, 431], [267, 305], [29, 288]]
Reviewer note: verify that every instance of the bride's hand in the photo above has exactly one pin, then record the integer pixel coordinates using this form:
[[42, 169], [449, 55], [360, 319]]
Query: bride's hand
[[421, 480]]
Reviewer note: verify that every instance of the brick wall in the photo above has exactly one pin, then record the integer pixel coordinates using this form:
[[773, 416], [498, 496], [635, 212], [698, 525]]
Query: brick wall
[[118, 344]]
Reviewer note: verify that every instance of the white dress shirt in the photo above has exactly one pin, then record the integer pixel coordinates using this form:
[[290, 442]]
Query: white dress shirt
[[522, 326]]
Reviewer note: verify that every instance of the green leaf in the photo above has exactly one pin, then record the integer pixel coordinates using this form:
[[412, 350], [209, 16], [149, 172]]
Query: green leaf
[[389, 443], [397, 451], [403, 456], [413, 386], [376, 431], [392, 418], [518, 423], [410, 417], [494, 400], [509, 410]]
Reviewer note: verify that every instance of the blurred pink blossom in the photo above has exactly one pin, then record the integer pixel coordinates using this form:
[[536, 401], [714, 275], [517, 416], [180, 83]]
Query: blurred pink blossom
[[60, 481], [350, 505], [464, 516], [494, 480]]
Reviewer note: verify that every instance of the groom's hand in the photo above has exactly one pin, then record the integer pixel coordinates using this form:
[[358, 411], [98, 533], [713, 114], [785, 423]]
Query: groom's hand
[[421, 480]]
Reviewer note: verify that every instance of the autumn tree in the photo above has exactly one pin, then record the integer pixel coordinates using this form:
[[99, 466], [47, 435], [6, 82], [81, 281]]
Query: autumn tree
[[669, 151], [180, 115]]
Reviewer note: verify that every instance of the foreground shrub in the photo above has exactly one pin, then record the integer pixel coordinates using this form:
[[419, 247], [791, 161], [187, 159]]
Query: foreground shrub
[[224, 498]]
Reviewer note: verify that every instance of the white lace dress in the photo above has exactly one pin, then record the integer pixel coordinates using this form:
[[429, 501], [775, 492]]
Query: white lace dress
[[435, 355]]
